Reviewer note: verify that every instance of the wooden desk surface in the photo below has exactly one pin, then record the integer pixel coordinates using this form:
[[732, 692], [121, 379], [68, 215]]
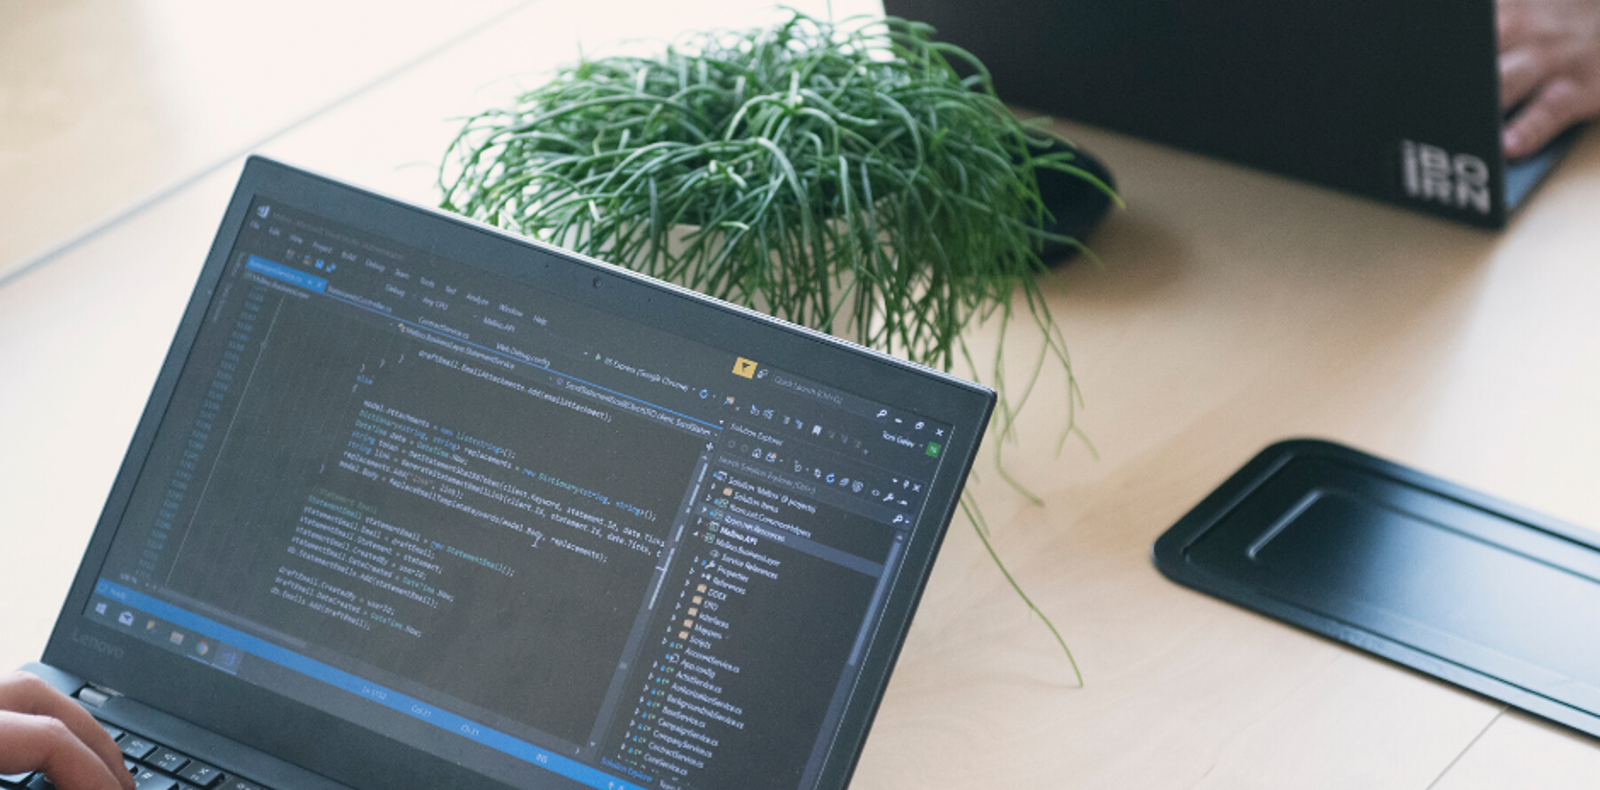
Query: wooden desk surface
[[1234, 309]]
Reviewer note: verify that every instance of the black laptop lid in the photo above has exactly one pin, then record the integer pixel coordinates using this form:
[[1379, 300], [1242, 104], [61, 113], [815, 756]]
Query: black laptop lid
[[1393, 100], [470, 507]]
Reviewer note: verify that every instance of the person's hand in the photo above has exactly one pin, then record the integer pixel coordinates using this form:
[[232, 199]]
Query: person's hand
[[42, 730], [1549, 64]]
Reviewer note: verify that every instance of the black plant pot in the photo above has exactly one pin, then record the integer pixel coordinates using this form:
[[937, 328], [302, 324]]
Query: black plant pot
[[1075, 205]]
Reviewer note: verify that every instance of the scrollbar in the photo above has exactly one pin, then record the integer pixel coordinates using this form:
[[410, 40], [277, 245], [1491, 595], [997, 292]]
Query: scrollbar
[[877, 597]]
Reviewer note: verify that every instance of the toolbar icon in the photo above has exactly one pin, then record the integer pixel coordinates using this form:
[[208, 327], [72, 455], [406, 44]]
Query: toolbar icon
[[744, 368]]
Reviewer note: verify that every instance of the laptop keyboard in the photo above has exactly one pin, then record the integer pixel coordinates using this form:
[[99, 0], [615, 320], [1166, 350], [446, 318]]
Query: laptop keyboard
[[154, 767]]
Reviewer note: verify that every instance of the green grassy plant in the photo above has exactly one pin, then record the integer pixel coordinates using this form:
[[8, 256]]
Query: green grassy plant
[[860, 178]]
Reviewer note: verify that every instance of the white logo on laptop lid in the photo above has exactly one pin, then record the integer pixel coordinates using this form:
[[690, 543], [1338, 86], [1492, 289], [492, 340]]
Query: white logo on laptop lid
[[1432, 174]]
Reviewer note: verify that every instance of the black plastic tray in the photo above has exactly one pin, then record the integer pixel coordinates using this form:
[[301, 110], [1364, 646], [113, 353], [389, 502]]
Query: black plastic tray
[[1457, 584]]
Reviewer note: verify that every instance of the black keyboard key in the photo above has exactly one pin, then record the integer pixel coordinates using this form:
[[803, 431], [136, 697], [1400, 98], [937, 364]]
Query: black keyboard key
[[15, 780], [195, 774], [201, 775], [138, 748], [168, 760], [151, 779], [40, 783]]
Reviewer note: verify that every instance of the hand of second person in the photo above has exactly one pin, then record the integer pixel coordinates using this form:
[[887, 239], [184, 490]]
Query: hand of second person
[[1549, 68]]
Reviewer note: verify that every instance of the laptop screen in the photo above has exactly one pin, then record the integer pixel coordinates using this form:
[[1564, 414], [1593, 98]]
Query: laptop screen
[[516, 531]]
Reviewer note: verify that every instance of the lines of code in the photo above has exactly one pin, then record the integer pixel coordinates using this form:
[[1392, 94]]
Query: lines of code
[[368, 572], [346, 538], [470, 475], [388, 503]]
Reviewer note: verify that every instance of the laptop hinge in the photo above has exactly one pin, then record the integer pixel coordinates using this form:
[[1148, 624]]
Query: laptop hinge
[[95, 696]]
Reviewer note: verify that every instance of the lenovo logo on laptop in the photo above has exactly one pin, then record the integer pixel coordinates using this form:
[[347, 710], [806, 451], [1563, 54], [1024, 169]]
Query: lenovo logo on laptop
[[97, 645], [1433, 174]]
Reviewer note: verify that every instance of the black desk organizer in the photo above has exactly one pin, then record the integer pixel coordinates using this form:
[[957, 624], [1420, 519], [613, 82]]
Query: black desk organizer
[[1448, 581]]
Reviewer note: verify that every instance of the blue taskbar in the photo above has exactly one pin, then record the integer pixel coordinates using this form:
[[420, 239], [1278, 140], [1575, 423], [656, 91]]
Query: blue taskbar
[[345, 681]]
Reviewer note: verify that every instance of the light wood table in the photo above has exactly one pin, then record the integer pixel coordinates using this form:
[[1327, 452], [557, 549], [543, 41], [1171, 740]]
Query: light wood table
[[1234, 309]]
